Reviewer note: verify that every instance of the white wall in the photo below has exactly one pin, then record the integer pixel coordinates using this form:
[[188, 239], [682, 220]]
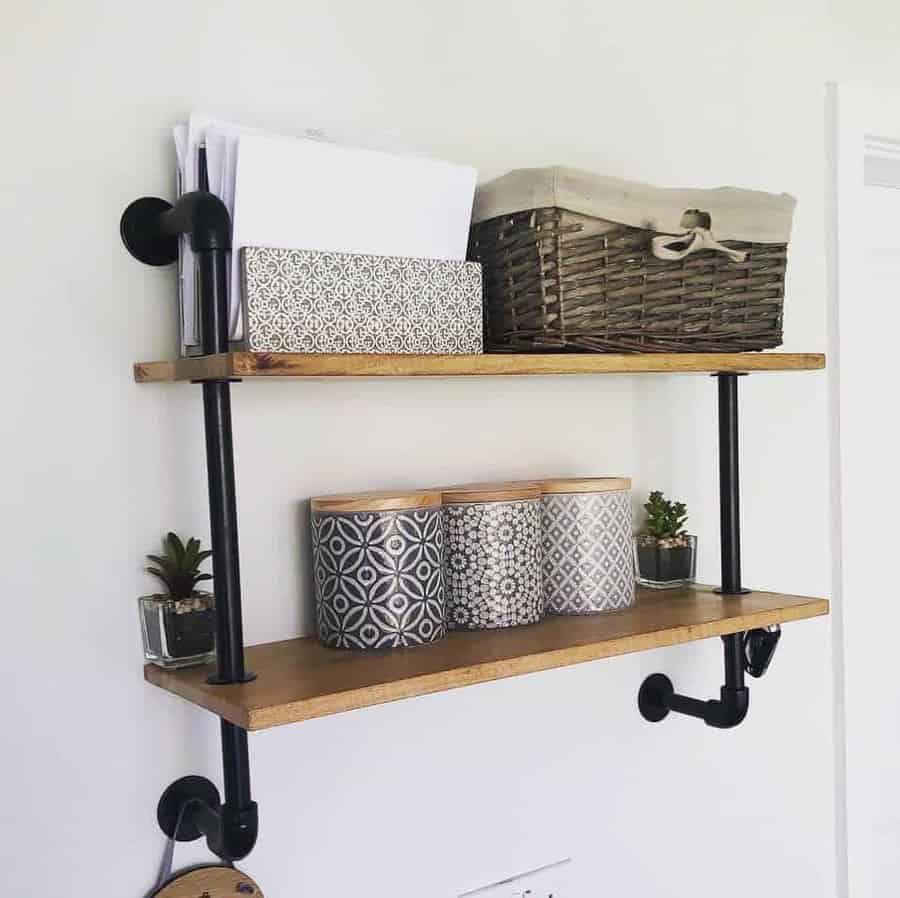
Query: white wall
[[434, 795]]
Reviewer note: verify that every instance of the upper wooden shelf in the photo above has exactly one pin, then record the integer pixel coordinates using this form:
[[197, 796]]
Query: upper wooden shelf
[[299, 679], [290, 364]]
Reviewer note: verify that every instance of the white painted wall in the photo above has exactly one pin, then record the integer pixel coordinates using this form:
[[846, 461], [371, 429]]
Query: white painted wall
[[436, 795], [868, 272]]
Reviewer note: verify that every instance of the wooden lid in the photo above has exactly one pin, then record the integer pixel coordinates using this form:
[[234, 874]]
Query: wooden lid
[[505, 491], [383, 500], [586, 484], [216, 882]]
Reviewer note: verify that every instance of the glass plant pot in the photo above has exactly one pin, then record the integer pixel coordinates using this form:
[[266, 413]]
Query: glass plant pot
[[665, 563], [178, 632]]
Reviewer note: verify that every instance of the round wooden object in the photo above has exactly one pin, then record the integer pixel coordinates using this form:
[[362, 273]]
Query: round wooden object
[[586, 485], [210, 882], [509, 491], [384, 500]]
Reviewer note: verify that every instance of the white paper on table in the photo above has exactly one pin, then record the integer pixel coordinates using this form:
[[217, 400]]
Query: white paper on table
[[308, 194]]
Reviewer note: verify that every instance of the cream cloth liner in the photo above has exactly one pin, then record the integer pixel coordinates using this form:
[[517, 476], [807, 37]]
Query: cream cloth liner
[[749, 215]]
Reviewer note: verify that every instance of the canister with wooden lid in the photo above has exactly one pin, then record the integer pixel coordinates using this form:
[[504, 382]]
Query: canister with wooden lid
[[492, 555], [377, 563], [587, 553]]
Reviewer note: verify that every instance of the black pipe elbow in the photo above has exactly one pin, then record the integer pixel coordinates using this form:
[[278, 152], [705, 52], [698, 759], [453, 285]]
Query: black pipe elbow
[[150, 227], [657, 697], [238, 828], [203, 217], [730, 709], [190, 809]]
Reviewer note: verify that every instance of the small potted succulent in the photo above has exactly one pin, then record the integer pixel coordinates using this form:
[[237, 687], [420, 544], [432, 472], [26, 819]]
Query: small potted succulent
[[179, 625], [665, 555]]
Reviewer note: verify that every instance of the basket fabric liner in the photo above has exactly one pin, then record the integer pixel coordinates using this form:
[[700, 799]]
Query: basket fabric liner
[[747, 215]]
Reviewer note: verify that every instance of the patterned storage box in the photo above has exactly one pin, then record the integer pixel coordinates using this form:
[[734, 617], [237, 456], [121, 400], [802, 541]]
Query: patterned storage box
[[377, 562], [311, 301], [492, 555], [587, 556]]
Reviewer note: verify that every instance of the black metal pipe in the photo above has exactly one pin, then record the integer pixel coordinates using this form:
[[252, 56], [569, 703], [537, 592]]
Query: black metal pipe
[[223, 529], [734, 660], [150, 228], [236, 765], [684, 704], [220, 470], [212, 265], [729, 484], [657, 696], [203, 217], [239, 813]]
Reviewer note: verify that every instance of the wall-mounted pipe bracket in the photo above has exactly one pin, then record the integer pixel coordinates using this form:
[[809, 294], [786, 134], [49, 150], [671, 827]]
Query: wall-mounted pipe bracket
[[190, 809], [150, 228], [745, 652]]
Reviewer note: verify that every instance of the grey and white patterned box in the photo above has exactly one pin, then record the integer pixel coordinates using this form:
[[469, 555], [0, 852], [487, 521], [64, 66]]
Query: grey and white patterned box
[[331, 302]]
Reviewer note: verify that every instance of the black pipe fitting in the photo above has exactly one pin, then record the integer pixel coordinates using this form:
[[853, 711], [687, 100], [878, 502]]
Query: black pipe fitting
[[189, 809], [237, 831], [657, 696], [150, 228], [203, 217]]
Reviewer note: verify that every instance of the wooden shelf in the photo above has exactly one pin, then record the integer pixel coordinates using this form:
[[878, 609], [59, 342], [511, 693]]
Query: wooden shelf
[[255, 364], [298, 679]]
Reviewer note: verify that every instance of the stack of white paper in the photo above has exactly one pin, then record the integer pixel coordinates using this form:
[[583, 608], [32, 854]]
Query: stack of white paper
[[309, 193]]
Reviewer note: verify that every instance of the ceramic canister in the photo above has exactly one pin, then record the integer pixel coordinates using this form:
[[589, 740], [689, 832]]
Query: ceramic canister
[[377, 561], [587, 558], [492, 555]]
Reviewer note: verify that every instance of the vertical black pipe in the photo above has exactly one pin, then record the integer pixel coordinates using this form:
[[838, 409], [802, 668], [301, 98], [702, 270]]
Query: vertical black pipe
[[730, 522], [734, 660], [238, 829], [223, 528], [212, 265], [235, 765], [213, 277], [729, 489]]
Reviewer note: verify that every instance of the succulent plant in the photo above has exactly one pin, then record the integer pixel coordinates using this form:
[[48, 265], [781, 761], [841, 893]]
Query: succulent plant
[[179, 566], [665, 520]]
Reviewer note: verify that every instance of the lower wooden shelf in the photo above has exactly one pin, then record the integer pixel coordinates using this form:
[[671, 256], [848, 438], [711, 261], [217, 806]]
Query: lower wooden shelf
[[298, 679]]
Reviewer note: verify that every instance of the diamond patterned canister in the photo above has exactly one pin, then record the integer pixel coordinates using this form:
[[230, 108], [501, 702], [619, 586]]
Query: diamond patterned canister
[[377, 563], [587, 558], [492, 555]]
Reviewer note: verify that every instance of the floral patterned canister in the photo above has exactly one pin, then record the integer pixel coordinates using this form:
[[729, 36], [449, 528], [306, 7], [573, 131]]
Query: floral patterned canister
[[587, 557], [377, 562], [492, 555]]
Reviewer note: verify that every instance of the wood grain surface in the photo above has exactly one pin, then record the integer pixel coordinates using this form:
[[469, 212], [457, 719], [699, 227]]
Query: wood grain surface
[[381, 500], [585, 484], [500, 491], [250, 364], [298, 679], [211, 882]]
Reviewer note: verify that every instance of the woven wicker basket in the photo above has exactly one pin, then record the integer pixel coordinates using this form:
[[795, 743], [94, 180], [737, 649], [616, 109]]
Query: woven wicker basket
[[558, 279]]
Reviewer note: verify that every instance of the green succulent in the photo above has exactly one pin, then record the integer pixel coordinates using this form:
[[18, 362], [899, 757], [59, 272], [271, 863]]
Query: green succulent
[[179, 566], [665, 520]]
